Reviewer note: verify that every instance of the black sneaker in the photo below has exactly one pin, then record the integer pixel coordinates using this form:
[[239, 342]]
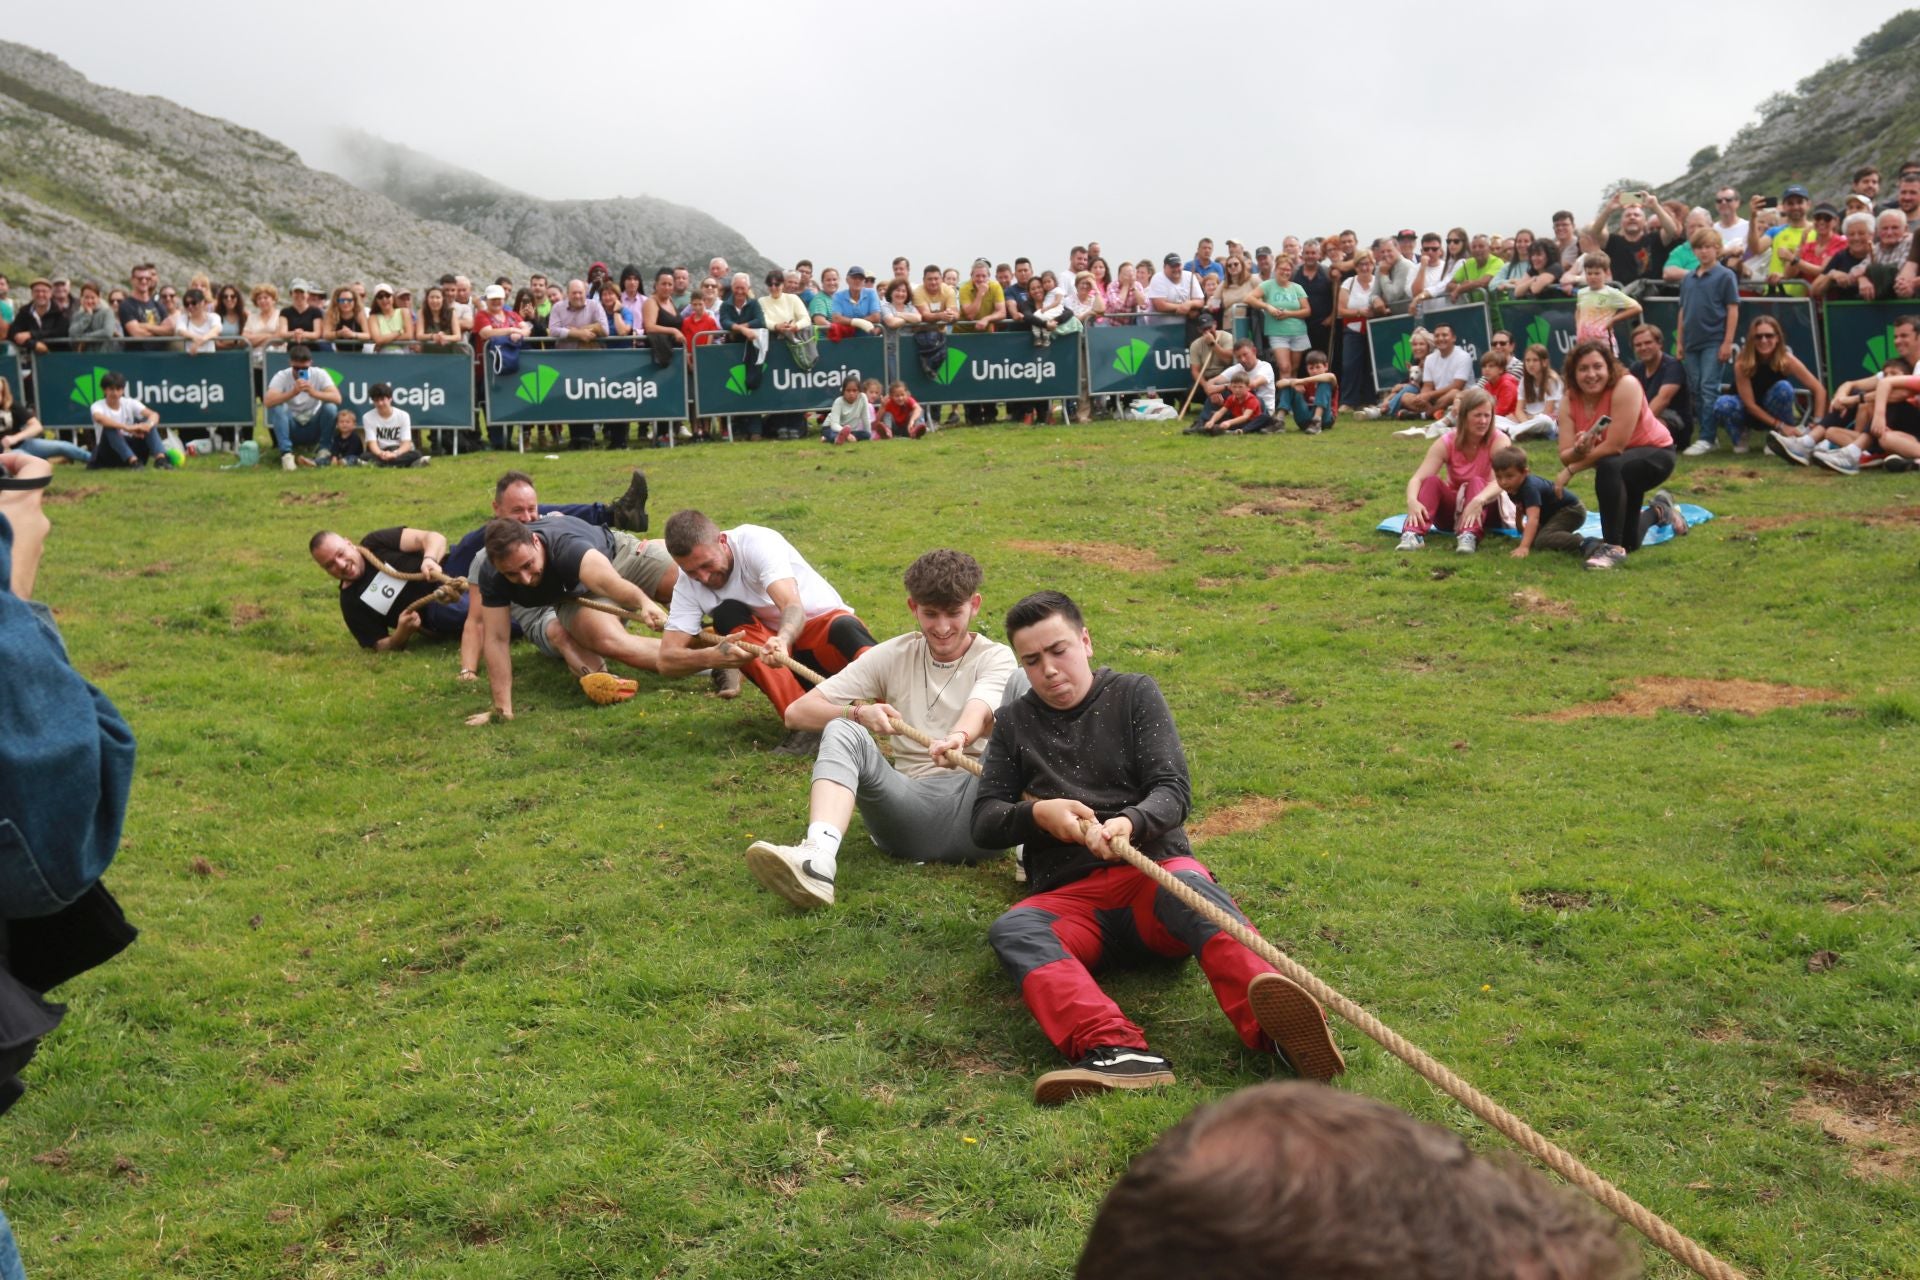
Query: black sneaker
[[1105, 1068], [798, 742], [1897, 463], [629, 510]]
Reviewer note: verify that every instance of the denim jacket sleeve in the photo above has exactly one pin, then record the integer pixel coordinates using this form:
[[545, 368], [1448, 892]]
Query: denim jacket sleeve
[[66, 763]]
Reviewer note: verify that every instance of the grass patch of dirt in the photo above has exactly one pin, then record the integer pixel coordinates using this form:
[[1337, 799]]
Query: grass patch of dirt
[[1107, 555], [245, 615], [1646, 697], [1249, 814], [1556, 900], [1867, 1117], [317, 498], [1530, 600], [1283, 500], [79, 493]]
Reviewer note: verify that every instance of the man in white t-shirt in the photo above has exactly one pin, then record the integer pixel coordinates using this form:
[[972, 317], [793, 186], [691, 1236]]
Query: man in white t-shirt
[[944, 678], [1174, 295], [1445, 373], [129, 431], [301, 403], [756, 588], [1246, 359], [1731, 226], [390, 431]]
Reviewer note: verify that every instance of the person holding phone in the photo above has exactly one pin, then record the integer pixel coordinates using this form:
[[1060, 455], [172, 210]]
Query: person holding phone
[[1607, 428], [301, 403]]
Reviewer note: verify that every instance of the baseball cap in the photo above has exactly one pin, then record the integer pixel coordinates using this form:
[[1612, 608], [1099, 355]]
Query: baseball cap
[[1795, 190], [1825, 210], [300, 286], [1172, 259], [856, 273], [382, 287], [495, 291], [1266, 249], [1206, 321], [1860, 198], [1407, 233]]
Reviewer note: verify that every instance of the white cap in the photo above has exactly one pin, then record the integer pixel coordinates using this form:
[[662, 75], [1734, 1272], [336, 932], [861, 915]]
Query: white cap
[[382, 287], [495, 291]]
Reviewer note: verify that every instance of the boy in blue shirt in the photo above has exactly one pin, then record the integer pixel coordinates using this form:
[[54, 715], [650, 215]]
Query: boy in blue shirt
[[1549, 519]]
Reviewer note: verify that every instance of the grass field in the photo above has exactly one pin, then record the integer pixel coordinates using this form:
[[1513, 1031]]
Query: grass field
[[420, 1000]]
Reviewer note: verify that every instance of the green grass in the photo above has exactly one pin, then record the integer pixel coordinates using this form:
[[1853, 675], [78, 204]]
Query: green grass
[[504, 1002]]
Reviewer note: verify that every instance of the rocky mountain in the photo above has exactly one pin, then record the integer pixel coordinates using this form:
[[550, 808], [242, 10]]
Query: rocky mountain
[[1859, 110], [93, 180], [559, 237]]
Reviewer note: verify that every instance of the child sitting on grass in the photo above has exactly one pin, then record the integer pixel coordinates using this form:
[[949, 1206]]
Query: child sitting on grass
[[346, 449], [849, 418], [1310, 399], [876, 406], [904, 413], [1549, 519], [1240, 411]]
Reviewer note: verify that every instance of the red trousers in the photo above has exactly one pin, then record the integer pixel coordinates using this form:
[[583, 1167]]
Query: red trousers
[[1444, 503], [827, 644], [1052, 942]]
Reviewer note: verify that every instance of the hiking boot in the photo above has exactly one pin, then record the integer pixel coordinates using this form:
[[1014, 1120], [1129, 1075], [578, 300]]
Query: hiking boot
[[726, 682], [629, 510], [1838, 460], [798, 742], [1467, 543], [1698, 449], [603, 688], [788, 870], [1297, 1025], [1411, 542], [1104, 1068], [1667, 512]]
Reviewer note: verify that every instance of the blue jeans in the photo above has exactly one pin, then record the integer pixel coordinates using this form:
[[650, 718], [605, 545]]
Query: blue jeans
[[10, 1268], [1730, 413], [1289, 400], [42, 447], [288, 433], [1705, 372]]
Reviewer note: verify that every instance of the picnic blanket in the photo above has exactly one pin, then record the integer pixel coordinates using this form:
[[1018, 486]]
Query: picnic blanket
[[1591, 529]]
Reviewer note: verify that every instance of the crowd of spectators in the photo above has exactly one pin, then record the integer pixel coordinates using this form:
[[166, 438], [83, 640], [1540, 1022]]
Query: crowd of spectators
[[1304, 306]]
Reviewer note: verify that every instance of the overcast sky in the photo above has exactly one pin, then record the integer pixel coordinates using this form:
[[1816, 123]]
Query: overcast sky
[[993, 127]]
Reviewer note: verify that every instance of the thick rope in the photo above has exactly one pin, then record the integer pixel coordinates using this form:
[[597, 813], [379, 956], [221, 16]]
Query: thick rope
[[1535, 1144], [447, 590]]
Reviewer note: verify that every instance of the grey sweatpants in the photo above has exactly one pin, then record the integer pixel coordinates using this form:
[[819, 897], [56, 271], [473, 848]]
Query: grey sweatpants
[[926, 819]]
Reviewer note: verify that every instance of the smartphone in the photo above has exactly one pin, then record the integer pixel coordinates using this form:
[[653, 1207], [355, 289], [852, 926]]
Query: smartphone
[[299, 375], [1771, 202]]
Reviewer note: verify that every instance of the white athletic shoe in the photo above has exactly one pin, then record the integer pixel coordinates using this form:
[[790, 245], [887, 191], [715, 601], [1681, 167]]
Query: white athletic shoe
[[287, 463], [1467, 543], [788, 870], [1698, 449], [1411, 542], [1412, 432]]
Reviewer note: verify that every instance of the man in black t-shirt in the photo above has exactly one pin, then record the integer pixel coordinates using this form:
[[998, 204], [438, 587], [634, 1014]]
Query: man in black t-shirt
[[373, 604], [1638, 255], [1664, 380], [556, 562]]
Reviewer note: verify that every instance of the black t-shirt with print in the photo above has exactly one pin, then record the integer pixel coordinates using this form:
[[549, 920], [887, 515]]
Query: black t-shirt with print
[[372, 603]]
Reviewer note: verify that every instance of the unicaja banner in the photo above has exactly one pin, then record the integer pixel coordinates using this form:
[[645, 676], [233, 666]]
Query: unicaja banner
[[1126, 358], [620, 385], [435, 390], [1391, 341], [1546, 322], [986, 368], [1794, 314], [212, 390], [720, 376], [1860, 337]]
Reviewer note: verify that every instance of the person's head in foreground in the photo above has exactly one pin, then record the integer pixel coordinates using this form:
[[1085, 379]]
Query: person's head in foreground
[[1050, 642], [339, 557], [1302, 1182], [699, 548], [943, 594]]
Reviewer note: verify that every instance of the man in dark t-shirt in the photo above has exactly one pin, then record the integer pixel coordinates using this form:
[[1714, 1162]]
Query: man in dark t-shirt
[[1637, 252], [1083, 759], [302, 316], [374, 604], [1664, 380]]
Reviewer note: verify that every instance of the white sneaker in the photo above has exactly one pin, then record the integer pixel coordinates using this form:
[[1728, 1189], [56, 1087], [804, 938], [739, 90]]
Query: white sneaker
[[1412, 432], [686, 432], [287, 463], [1369, 414], [1467, 544], [788, 870], [1699, 448], [1411, 542]]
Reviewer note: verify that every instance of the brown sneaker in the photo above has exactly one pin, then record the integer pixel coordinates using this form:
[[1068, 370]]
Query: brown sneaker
[[1104, 1068], [1297, 1026]]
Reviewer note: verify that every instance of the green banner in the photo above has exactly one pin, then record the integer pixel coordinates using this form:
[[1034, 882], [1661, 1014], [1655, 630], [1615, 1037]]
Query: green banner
[[1127, 358], [553, 386], [1794, 314], [987, 368], [212, 390], [1860, 337], [10, 370], [720, 375], [1547, 322], [1390, 341], [435, 390]]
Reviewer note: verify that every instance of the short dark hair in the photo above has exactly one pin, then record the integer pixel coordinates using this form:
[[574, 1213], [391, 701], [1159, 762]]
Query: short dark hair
[[1297, 1180], [507, 480], [114, 381], [1316, 356], [776, 277], [380, 391], [298, 351], [689, 529], [313, 543], [943, 578], [1659, 338], [1040, 606], [1510, 457], [803, 264], [502, 535], [1615, 370], [1563, 215], [1866, 171], [1911, 322]]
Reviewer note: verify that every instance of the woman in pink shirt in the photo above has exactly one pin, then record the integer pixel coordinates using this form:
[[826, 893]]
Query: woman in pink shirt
[[1606, 426], [1454, 483], [1125, 295]]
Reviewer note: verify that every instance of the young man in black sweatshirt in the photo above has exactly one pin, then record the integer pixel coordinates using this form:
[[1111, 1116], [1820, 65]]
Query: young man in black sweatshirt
[[1083, 759]]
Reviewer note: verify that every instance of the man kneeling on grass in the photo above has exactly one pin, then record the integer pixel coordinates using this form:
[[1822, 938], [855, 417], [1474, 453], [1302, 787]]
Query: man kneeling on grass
[[556, 562], [1099, 751], [944, 678]]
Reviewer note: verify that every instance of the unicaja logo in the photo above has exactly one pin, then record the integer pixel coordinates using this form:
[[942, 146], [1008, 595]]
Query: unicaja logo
[[535, 384], [950, 367], [86, 388], [737, 380], [1880, 349], [1403, 352], [1130, 357], [1539, 332]]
